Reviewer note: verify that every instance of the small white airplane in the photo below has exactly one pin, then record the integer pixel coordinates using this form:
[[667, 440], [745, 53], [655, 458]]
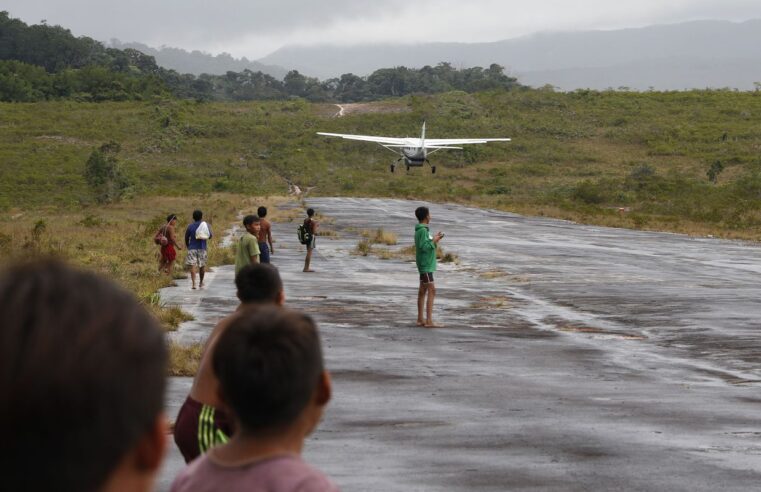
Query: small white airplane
[[415, 151]]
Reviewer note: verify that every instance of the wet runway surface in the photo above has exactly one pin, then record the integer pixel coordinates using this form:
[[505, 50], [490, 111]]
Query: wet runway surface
[[573, 357]]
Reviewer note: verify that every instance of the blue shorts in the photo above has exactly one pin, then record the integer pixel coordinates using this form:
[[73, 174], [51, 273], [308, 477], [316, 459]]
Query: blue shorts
[[264, 253]]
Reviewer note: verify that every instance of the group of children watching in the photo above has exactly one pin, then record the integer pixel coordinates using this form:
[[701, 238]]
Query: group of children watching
[[83, 376], [255, 246]]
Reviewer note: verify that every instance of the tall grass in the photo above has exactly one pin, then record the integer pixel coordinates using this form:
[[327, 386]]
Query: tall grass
[[184, 359], [115, 240], [380, 236]]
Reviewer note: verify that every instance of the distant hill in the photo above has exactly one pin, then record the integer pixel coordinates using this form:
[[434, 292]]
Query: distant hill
[[657, 74], [197, 63], [696, 54]]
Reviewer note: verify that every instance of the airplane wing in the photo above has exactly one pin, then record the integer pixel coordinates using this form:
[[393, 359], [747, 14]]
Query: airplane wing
[[437, 142], [430, 143], [399, 142]]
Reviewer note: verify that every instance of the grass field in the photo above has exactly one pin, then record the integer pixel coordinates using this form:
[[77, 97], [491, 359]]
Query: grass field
[[615, 158]]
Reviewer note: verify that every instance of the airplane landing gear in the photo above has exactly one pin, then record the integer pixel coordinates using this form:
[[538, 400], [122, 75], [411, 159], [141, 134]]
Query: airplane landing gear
[[433, 169], [392, 168]]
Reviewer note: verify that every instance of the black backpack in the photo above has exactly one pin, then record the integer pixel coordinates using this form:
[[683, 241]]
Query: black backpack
[[305, 237]]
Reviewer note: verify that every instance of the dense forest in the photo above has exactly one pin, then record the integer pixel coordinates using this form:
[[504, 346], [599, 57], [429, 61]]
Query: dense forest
[[41, 62]]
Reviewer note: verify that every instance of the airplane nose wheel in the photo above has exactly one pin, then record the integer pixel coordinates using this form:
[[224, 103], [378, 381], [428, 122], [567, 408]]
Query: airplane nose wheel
[[392, 168], [433, 169]]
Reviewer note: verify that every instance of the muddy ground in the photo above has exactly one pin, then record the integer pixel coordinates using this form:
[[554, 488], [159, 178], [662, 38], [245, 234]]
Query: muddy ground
[[573, 357]]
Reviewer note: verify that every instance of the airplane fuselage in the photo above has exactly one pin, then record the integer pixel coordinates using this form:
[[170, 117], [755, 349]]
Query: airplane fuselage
[[414, 155]]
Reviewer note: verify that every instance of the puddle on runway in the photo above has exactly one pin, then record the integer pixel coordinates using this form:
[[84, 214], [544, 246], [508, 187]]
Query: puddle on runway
[[598, 333]]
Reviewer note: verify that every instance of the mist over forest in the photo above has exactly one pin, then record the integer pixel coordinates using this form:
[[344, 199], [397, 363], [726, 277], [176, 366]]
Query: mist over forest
[[691, 55]]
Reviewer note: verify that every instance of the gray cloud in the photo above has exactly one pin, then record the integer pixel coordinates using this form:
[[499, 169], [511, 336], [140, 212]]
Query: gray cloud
[[222, 18], [254, 28]]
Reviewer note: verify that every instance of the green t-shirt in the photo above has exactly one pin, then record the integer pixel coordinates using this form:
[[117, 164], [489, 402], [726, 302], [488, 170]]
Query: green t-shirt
[[248, 246]]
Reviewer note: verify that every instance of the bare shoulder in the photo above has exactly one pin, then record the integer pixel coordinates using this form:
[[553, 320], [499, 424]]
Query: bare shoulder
[[219, 328]]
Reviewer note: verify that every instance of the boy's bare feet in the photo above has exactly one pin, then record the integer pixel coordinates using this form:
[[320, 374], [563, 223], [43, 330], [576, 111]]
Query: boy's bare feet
[[431, 324], [194, 287], [420, 322], [309, 271], [201, 286]]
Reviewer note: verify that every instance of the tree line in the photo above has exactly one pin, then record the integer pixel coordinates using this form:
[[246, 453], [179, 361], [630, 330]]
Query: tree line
[[42, 62]]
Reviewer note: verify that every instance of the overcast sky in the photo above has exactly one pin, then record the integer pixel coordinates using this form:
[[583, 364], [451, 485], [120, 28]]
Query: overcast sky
[[254, 28]]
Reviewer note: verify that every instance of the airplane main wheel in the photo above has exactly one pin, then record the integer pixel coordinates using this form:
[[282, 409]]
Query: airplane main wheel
[[392, 168], [433, 169], [408, 168]]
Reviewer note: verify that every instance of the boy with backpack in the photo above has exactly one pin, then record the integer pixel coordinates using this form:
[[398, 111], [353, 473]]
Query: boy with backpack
[[308, 237], [272, 380]]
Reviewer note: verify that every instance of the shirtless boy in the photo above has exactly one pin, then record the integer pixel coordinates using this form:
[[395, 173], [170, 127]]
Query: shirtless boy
[[265, 236], [311, 225], [169, 250], [201, 423]]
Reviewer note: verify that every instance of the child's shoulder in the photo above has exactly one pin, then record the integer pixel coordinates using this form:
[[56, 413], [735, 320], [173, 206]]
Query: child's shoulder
[[292, 473], [187, 479]]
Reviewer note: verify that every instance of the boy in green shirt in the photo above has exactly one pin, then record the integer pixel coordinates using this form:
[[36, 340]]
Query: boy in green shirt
[[248, 246], [425, 258]]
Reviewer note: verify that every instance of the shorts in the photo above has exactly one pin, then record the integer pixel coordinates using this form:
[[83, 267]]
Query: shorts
[[312, 242], [197, 257], [264, 253], [168, 254], [426, 278], [198, 428]]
